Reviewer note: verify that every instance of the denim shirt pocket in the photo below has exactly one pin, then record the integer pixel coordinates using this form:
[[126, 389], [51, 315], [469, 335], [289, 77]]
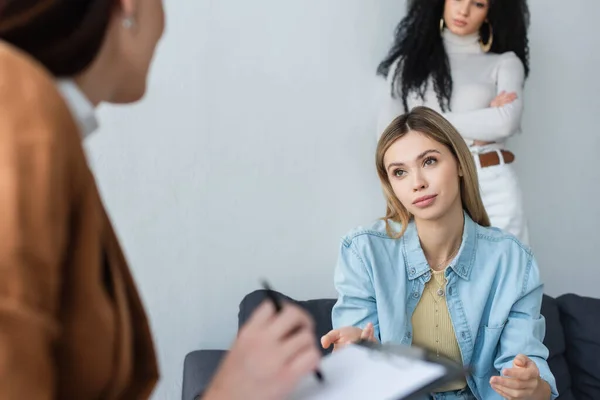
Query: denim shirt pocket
[[486, 348]]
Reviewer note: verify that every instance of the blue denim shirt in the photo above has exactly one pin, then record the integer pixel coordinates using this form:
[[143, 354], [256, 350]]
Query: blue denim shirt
[[494, 296]]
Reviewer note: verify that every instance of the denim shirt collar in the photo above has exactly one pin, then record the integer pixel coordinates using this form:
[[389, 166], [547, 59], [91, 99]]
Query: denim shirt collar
[[416, 263]]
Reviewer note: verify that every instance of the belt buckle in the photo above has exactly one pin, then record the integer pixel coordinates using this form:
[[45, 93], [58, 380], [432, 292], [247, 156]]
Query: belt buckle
[[501, 160]]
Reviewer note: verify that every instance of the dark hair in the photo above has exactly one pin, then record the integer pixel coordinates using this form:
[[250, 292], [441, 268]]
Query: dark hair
[[63, 35], [420, 50]]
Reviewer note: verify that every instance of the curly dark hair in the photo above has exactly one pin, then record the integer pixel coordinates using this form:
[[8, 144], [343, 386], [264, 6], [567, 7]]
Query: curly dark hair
[[419, 46]]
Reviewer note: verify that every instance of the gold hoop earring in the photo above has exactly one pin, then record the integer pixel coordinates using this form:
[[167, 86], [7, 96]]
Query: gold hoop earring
[[441, 24], [487, 46]]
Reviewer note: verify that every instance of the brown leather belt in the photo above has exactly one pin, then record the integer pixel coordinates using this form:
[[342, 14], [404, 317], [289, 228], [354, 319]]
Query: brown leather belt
[[492, 158]]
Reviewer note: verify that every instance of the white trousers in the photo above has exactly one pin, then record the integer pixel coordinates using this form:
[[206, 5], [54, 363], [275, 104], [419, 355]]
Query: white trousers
[[502, 198]]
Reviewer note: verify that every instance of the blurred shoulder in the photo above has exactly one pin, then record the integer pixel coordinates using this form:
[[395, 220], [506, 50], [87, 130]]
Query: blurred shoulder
[[30, 104]]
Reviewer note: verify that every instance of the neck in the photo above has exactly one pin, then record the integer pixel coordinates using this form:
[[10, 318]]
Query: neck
[[91, 89], [461, 44], [97, 81], [440, 239]]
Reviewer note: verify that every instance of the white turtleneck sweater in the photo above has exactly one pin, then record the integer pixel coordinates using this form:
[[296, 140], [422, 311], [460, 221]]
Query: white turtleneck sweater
[[477, 78]]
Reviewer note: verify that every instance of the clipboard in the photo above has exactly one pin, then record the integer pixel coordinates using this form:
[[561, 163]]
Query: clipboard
[[452, 370], [380, 372]]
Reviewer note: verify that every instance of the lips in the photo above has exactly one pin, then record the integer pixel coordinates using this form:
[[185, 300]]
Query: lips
[[460, 23], [425, 201]]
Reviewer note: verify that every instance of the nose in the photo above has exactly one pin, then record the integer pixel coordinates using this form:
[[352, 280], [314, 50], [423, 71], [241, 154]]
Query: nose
[[464, 7], [419, 182]]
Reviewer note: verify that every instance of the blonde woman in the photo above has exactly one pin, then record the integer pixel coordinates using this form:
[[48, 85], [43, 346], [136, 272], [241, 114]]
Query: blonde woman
[[434, 274]]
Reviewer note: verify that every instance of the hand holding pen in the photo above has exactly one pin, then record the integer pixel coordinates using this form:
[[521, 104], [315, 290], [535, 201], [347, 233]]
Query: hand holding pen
[[274, 350], [278, 307]]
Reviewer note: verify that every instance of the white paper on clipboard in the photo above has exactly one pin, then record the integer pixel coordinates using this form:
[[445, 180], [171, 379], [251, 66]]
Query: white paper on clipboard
[[356, 372]]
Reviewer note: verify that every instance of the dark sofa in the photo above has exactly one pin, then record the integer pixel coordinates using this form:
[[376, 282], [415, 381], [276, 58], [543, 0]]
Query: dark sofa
[[572, 337]]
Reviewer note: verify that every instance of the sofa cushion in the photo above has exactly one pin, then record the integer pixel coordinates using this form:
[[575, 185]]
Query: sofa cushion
[[580, 320], [555, 342], [319, 309], [198, 370], [555, 336]]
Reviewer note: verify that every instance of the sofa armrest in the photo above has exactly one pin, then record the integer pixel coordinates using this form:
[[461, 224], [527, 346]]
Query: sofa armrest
[[198, 370]]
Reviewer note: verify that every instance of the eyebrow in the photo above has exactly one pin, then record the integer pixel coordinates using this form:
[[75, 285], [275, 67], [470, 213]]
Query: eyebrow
[[419, 157]]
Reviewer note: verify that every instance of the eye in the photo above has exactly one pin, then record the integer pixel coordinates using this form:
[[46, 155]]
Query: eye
[[398, 173], [429, 161], [479, 4]]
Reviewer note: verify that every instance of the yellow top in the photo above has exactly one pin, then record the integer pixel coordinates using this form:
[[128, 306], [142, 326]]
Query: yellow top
[[432, 326]]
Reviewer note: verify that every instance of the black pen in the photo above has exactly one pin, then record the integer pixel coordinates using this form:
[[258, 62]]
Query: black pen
[[271, 295]]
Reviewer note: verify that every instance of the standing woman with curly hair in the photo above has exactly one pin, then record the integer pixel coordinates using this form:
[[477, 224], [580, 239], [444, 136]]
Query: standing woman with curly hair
[[467, 59]]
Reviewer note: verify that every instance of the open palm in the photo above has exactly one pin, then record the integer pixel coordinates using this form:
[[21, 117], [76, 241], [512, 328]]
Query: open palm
[[346, 335]]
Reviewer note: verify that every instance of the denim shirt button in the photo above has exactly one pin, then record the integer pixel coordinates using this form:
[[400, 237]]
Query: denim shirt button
[[408, 335], [413, 271], [415, 295]]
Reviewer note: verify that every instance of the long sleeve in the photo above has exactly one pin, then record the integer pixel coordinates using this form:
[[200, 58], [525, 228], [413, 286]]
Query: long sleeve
[[356, 304], [524, 330], [493, 124], [33, 215]]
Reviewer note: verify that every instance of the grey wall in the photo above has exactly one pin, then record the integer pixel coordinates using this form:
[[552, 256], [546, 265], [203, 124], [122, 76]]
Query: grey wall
[[253, 154], [560, 144]]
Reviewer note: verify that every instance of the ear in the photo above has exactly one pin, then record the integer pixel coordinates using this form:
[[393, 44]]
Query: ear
[[127, 11], [128, 7]]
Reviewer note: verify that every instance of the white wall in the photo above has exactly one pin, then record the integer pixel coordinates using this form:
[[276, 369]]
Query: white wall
[[560, 144], [253, 154]]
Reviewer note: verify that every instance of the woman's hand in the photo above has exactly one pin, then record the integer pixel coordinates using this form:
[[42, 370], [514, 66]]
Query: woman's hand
[[521, 382], [503, 99], [481, 143], [272, 353], [346, 335]]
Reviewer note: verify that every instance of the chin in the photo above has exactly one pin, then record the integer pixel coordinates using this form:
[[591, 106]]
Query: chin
[[464, 31], [429, 214], [130, 94]]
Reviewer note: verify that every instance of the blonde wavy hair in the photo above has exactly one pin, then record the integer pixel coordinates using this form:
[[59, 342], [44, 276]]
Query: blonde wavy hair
[[428, 122]]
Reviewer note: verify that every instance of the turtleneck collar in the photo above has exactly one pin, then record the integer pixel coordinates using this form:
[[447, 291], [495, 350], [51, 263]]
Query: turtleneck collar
[[461, 44]]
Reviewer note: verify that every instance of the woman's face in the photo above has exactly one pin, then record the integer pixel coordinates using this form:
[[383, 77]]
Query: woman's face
[[137, 44], [424, 175], [465, 17]]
